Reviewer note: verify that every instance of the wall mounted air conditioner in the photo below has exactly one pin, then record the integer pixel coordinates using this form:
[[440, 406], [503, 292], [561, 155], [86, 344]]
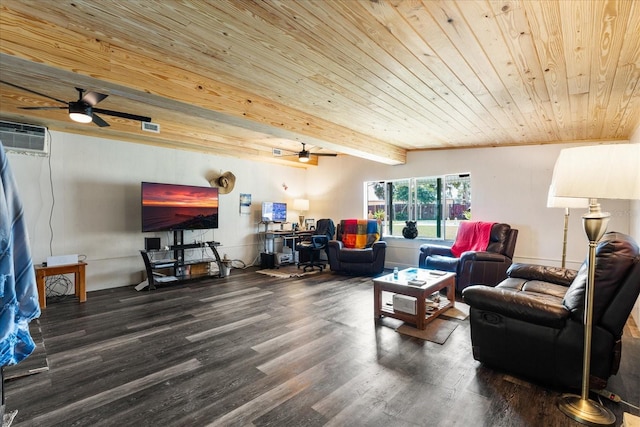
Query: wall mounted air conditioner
[[24, 139]]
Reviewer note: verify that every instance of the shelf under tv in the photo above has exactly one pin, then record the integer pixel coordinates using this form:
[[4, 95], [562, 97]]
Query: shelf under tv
[[184, 269], [194, 245]]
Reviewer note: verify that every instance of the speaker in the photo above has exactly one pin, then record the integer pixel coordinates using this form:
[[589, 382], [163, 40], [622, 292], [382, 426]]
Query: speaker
[[151, 243]]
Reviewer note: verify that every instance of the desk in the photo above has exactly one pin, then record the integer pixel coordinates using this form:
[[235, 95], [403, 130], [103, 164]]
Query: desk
[[77, 269], [286, 236]]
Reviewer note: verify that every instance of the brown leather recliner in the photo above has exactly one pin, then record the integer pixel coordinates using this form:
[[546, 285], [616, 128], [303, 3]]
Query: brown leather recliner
[[487, 267], [531, 324]]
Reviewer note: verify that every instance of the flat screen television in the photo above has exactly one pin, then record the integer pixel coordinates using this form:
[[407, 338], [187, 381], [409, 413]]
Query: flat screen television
[[168, 207], [274, 212]]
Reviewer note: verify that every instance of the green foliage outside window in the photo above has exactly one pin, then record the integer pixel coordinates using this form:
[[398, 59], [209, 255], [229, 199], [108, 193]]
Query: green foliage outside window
[[417, 199]]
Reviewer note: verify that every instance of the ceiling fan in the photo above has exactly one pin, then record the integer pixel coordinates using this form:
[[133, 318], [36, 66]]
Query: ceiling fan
[[83, 110], [304, 155]]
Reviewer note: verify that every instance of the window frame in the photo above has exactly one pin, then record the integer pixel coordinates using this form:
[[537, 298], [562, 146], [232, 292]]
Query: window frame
[[447, 202]]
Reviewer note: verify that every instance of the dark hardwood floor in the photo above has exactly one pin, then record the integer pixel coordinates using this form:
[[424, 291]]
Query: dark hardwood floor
[[256, 350]]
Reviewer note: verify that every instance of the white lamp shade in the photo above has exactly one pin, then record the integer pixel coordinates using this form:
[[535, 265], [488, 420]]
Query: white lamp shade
[[598, 171], [301, 204], [565, 202]]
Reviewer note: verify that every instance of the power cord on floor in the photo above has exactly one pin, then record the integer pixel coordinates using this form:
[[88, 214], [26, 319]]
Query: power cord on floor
[[613, 397], [256, 261], [234, 263], [238, 263]]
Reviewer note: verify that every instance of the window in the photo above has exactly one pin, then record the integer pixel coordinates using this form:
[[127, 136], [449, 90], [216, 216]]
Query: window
[[437, 204]]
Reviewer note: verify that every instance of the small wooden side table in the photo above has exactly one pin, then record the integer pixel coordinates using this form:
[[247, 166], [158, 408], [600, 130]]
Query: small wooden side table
[[77, 269], [434, 281]]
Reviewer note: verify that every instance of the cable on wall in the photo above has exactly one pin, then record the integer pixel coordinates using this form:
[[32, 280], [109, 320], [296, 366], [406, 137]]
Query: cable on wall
[[53, 198]]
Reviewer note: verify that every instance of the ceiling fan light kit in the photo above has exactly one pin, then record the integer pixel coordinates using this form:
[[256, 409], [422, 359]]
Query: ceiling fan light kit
[[82, 110], [81, 113], [303, 156]]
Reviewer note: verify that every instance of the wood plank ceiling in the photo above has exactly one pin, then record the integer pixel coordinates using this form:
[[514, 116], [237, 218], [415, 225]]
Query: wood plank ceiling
[[373, 79]]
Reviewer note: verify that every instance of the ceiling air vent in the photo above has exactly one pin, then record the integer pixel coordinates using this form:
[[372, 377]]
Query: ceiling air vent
[[276, 152], [151, 127], [24, 139]]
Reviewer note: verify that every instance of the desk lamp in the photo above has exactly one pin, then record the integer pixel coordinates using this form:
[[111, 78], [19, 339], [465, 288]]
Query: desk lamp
[[599, 171], [566, 203], [301, 205]]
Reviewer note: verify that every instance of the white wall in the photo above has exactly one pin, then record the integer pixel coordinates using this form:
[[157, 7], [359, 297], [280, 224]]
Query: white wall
[[96, 201], [635, 205], [96, 184], [635, 224], [509, 184]]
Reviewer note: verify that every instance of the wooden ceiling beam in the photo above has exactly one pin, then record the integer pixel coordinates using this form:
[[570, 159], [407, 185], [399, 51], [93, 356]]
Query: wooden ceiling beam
[[45, 44], [173, 135]]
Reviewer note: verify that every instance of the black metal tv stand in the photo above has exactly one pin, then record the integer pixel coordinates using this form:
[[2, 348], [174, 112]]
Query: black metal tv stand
[[181, 270], [179, 247]]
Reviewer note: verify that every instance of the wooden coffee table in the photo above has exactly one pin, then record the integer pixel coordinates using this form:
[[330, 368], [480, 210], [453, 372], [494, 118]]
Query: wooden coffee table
[[434, 281]]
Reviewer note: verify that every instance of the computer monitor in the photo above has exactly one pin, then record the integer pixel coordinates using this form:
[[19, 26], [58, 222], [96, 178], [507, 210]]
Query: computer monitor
[[274, 212]]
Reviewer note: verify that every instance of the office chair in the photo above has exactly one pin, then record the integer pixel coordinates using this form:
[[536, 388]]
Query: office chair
[[325, 229]]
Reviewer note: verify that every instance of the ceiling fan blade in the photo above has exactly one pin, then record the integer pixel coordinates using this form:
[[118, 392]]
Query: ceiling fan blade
[[99, 121], [305, 153], [92, 98], [123, 115], [33, 91], [42, 108]]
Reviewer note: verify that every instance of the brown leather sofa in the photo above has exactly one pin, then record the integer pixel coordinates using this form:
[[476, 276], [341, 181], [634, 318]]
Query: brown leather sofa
[[487, 267], [531, 324], [364, 261]]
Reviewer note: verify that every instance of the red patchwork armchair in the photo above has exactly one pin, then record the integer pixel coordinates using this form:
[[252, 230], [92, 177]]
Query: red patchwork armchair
[[481, 254]]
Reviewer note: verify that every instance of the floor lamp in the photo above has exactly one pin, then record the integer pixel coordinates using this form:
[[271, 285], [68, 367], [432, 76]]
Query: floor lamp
[[566, 203], [301, 205], [598, 171]]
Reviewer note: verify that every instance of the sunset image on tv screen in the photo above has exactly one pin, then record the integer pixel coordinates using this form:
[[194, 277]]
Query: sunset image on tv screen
[[178, 207]]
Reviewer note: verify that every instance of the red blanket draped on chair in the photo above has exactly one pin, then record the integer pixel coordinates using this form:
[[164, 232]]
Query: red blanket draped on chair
[[472, 236]]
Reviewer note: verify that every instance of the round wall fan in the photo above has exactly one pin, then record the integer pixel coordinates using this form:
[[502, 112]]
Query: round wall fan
[[83, 110]]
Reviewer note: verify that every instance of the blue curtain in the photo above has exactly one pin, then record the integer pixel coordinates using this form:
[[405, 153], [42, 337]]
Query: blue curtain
[[18, 291]]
